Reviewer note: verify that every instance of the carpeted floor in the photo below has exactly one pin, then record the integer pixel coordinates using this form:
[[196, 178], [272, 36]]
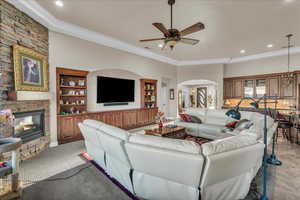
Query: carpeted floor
[[84, 182]]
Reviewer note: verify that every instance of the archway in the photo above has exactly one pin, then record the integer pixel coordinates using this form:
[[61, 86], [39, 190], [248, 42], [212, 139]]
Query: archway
[[197, 94]]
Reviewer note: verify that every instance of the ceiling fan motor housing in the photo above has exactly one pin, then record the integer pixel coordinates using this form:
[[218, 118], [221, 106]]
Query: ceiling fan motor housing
[[171, 2]]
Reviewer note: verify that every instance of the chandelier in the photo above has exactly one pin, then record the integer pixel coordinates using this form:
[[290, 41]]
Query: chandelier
[[288, 77]]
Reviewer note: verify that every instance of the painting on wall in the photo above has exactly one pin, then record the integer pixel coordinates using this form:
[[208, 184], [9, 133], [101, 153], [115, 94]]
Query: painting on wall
[[31, 70]]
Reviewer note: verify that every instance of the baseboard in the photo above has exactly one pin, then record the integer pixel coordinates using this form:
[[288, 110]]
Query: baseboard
[[53, 144]]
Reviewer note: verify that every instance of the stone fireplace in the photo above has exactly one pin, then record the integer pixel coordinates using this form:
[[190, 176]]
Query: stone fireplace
[[29, 125], [32, 124]]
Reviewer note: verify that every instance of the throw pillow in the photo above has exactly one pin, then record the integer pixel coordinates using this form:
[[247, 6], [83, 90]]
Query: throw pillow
[[185, 117], [243, 124], [195, 119], [231, 124]]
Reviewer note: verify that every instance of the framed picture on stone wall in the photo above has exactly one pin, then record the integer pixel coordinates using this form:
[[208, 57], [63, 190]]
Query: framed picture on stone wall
[[31, 70]]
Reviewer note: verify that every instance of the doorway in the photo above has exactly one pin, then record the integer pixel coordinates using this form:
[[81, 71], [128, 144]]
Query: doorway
[[165, 96]]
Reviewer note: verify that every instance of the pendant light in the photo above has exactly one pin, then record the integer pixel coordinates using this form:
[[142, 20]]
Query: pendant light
[[288, 77]]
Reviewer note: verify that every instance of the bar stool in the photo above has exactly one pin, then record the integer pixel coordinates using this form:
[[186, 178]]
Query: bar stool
[[296, 125], [285, 126]]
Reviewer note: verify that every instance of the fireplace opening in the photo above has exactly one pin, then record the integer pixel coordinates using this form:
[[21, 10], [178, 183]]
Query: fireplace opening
[[29, 125]]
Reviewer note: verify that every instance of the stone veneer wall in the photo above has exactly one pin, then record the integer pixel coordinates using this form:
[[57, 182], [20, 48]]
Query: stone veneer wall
[[17, 27]]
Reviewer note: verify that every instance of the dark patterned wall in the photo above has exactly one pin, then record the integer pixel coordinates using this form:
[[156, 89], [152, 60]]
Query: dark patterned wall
[[17, 27]]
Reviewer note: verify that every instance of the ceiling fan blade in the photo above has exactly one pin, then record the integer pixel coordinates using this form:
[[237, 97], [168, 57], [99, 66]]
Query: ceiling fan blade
[[162, 28], [189, 41], [154, 39], [194, 28]]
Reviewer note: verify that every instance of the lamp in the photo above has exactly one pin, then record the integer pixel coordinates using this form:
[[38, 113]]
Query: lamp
[[235, 114]]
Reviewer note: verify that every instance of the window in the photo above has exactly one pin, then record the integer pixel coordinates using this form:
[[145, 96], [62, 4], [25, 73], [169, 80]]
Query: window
[[249, 88], [260, 88]]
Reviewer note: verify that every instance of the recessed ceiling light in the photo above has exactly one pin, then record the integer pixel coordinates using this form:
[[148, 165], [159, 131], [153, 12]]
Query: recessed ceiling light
[[160, 45], [270, 45], [59, 3], [289, 1], [243, 51]]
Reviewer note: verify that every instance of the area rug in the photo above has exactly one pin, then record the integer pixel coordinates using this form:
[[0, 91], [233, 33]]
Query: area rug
[[80, 183]]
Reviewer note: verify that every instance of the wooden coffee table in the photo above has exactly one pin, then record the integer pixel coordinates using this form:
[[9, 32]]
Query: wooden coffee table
[[177, 133]]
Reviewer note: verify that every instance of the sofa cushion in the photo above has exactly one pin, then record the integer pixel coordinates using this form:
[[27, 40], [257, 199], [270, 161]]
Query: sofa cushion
[[243, 124], [231, 124], [93, 123], [115, 132], [217, 117], [195, 119], [166, 143], [198, 112], [227, 144], [210, 128]]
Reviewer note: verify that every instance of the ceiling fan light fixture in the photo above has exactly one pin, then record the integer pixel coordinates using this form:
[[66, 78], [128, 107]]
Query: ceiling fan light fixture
[[171, 43]]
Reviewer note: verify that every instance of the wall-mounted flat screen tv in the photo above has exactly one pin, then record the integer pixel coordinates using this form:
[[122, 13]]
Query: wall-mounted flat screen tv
[[114, 90]]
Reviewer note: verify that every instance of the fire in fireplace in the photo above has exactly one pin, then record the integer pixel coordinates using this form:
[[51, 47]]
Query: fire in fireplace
[[29, 125]]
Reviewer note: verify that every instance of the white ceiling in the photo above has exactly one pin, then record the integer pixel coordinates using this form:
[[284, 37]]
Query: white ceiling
[[231, 25]]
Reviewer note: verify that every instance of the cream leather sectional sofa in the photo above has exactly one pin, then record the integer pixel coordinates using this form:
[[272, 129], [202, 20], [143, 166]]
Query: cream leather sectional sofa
[[213, 122], [156, 168]]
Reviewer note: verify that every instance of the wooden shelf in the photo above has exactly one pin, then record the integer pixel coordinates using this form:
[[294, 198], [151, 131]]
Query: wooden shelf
[[73, 104], [63, 79], [73, 87], [148, 86], [72, 95]]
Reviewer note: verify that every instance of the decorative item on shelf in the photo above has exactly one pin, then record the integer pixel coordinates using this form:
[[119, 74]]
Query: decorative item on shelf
[[72, 83], [71, 92], [61, 102], [76, 93], [235, 114], [152, 98], [82, 92], [62, 82], [81, 83], [30, 70], [72, 110], [288, 78], [82, 102], [172, 95]]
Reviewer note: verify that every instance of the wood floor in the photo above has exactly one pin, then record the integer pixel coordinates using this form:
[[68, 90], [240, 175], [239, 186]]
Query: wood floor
[[284, 181]]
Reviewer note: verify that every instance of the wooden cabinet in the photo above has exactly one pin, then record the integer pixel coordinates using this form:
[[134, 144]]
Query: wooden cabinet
[[238, 88], [273, 86], [258, 85], [228, 89], [68, 130], [66, 126], [287, 90], [129, 119]]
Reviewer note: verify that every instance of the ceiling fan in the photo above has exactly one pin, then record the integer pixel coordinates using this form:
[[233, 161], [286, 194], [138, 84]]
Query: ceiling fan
[[172, 35]]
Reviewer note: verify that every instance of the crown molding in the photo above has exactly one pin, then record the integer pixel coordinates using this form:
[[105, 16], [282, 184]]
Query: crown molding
[[34, 10], [37, 12]]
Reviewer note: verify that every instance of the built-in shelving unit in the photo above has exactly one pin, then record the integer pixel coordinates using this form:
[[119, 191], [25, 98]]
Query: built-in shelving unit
[[71, 91], [148, 93]]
